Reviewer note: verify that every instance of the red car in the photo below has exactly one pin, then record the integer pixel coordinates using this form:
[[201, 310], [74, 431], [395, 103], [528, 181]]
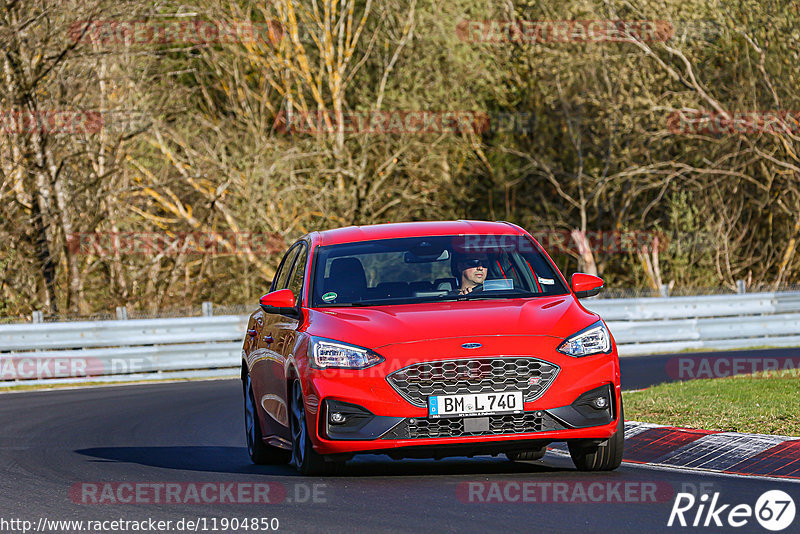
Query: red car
[[428, 339]]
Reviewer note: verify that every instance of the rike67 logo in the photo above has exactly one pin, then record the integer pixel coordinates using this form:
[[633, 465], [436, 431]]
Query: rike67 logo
[[774, 510]]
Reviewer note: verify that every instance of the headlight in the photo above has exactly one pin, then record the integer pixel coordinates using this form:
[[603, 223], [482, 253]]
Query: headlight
[[592, 340], [334, 354]]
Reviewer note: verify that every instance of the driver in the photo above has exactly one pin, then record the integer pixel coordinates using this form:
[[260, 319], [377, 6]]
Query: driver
[[473, 269]]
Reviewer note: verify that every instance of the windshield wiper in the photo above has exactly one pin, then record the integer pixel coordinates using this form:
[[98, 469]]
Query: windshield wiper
[[479, 295], [488, 295], [374, 302]]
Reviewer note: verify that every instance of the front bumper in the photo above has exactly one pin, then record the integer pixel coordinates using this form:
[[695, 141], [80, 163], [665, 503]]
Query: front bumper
[[379, 419]]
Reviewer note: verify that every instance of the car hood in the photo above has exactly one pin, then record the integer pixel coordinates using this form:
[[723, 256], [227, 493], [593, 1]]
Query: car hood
[[375, 327]]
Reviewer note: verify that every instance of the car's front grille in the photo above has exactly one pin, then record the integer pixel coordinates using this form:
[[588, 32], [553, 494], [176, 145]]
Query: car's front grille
[[453, 427], [419, 381]]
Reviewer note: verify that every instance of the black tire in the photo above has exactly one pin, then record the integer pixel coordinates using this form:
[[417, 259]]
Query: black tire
[[260, 453], [527, 456], [304, 458], [605, 456]]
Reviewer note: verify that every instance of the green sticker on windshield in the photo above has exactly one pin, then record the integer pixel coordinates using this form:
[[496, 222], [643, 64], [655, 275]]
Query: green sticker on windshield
[[327, 297]]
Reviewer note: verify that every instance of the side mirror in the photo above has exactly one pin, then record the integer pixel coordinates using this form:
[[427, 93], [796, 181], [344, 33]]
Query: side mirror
[[280, 302], [586, 285]]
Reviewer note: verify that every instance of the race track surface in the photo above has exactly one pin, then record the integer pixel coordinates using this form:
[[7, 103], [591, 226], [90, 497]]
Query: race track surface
[[61, 449]]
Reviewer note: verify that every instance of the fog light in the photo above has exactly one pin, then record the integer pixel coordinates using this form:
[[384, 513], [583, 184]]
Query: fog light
[[600, 403], [337, 418]]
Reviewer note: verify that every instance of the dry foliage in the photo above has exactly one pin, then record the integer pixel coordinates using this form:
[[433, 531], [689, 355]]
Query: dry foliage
[[195, 139]]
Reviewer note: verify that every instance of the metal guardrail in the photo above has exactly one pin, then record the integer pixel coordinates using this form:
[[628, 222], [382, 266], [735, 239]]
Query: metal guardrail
[[638, 309], [719, 322], [95, 349], [211, 346], [87, 334]]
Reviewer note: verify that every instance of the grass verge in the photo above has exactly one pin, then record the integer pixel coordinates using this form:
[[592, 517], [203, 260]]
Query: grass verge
[[761, 403]]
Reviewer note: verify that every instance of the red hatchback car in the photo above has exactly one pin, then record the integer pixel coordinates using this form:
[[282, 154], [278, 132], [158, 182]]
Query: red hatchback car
[[428, 339]]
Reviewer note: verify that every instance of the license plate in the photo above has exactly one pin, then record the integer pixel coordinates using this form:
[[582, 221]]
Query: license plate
[[472, 404]]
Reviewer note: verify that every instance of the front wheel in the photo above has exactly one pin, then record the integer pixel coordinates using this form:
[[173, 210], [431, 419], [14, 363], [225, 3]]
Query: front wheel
[[304, 458], [605, 456]]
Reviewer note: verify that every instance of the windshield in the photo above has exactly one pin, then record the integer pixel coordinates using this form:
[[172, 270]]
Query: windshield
[[430, 269]]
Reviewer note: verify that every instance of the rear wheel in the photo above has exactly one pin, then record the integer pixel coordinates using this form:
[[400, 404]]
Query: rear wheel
[[605, 456], [304, 458], [260, 453]]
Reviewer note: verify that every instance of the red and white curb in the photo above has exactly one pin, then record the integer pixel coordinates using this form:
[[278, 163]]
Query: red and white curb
[[724, 452]]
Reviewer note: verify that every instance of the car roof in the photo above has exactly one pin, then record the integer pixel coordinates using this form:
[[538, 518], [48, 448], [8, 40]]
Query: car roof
[[353, 234]]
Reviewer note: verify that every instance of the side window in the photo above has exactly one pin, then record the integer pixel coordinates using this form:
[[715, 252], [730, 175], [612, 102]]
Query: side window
[[298, 274], [284, 270]]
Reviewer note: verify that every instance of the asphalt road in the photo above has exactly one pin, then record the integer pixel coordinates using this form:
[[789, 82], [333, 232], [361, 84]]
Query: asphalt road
[[61, 449]]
